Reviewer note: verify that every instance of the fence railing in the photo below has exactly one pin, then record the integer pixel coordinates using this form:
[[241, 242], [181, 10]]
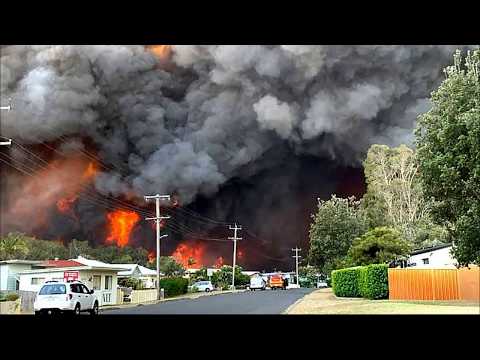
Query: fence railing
[[434, 284], [138, 296]]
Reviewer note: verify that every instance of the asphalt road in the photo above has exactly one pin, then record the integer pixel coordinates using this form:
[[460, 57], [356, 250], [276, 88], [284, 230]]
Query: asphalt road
[[248, 302]]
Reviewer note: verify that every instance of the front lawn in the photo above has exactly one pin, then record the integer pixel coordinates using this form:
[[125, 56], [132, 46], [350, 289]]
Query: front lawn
[[324, 302]]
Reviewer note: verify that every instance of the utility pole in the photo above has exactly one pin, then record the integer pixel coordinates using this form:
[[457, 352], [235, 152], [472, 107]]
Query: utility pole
[[234, 238], [296, 261], [9, 141], [157, 219]]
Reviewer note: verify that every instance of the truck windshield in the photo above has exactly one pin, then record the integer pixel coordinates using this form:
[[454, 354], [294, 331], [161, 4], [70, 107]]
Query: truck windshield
[[54, 289]]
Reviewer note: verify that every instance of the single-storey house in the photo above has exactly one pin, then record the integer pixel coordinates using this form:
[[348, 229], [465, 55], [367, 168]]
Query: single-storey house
[[97, 275], [434, 257], [147, 276], [9, 269]]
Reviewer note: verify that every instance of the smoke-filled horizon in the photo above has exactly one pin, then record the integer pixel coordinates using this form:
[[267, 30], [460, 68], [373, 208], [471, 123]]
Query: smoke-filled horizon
[[192, 119]]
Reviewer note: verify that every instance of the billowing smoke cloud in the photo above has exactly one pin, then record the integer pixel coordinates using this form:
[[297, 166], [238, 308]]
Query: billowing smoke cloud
[[191, 128]]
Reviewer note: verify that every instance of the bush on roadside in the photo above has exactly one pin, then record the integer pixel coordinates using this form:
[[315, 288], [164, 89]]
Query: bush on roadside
[[174, 286], [345, 282], [374, 281], [369, 281]]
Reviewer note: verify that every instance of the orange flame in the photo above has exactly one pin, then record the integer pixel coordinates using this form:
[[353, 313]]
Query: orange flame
[[218, 263], [55, 185], [121, 224], [162, 52], [65, 206], [189, 256], [151, 257], [90, 172]]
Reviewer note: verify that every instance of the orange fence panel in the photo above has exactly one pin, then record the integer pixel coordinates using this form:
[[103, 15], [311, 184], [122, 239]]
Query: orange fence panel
[[469, 283], [434, 284]]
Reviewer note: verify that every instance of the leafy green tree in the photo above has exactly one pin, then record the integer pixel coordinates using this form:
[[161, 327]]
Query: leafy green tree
[[201, 274], [135, 284], [394, 193], [223, 278], [377, 246], [448, 148], [170, 267], [13, 246], [45, 249], [335, 225]]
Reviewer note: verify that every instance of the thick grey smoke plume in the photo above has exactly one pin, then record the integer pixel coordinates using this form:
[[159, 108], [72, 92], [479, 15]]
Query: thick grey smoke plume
[[191, 128]]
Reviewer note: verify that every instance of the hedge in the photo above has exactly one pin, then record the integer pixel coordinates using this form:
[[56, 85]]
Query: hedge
[[374, 284], [345, 282], [174, 286], [369, 281]]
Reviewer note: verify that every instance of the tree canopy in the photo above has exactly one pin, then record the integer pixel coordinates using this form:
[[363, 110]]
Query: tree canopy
[[448, 147], [379, 245], [337, 222]]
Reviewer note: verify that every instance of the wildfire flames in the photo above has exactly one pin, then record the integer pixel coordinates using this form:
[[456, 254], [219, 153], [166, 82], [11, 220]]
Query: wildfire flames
[[56, 185], [151, 257], [162, 52], [219, 263], [189, 256], [121, 224]]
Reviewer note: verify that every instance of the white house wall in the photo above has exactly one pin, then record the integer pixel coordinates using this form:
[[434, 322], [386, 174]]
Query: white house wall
[[436, 258]]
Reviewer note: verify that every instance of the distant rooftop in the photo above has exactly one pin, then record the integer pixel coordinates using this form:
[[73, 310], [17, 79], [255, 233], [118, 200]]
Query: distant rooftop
[[430, 249], [26, 262], [61, 263]]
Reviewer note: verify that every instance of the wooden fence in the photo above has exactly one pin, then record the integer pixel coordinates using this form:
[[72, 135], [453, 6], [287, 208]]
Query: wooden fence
[[434, 284]]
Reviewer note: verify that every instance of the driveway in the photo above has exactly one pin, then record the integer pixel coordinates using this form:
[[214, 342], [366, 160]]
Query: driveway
[[248, 302]]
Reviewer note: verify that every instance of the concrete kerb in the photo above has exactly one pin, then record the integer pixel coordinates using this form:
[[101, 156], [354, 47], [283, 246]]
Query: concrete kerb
[[287, 310], [181, 297]]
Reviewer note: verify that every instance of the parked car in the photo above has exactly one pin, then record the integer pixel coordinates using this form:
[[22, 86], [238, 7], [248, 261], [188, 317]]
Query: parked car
[[66, 297], [322, 284], [257, 282], [203, 286]]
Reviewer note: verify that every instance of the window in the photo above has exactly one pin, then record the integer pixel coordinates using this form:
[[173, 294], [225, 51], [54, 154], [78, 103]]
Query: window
[[37, 281], [97, 282], [54, 289], [426, 261], [76, 288], [85, 289], [108, 282]]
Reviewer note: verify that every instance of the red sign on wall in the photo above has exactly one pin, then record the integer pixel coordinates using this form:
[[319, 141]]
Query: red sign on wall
[[71, 275]]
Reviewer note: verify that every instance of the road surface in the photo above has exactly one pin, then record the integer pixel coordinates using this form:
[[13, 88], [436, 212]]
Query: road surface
[[248, 302]]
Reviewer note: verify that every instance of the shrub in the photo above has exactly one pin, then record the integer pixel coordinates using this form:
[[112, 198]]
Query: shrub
[[345, 282], [374, 281], [174, 286], [369, 281], [135, 284], [9, 297]]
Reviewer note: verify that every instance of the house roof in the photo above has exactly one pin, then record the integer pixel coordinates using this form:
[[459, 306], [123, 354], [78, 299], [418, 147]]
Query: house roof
[[61, 263], [26, 262], [130, 269], [430, 249]]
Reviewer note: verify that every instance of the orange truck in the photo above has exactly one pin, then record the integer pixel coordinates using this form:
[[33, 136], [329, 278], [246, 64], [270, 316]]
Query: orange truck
[[276, 282]]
